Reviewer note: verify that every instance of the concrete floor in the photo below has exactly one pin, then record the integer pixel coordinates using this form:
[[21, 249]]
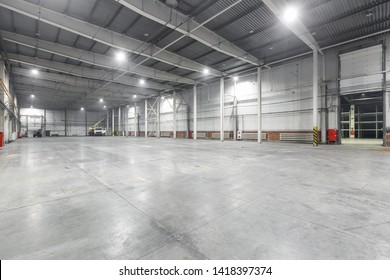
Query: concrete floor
[[126, 198]]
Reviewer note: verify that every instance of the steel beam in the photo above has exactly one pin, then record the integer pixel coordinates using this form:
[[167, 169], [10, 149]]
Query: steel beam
[[81, 82], [84, 72], [102, 35], [159, 12], [297, 27], [93, 58]]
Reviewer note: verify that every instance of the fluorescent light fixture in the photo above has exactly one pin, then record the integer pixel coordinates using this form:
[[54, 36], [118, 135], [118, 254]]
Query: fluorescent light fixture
[[235, 78], [34, 71], [32, 95], [104, 106], [101, 100], [82, 108], [120, 56], [142, 82], [134, 96], [290, 14], [206, 71]]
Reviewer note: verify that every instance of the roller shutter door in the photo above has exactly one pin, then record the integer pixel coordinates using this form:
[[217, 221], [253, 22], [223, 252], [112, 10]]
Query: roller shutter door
[[361, 71]]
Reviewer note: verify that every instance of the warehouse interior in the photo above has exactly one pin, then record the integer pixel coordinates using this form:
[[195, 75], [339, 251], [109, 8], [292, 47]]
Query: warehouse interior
[[233, 129]]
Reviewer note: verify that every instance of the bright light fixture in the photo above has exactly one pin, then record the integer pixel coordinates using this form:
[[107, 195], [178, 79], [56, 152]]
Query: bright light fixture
[[235, 78], [34, 71], [290, 14], [206, 71], [142, 82], [101, 99], [120, 56], [31, 106], [134, 96], [82, 108], [32, 95]]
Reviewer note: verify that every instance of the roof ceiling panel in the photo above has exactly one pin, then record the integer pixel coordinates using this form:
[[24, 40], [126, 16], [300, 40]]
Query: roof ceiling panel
[[66, 38], [104, 12], [81, 9], [58, 5]]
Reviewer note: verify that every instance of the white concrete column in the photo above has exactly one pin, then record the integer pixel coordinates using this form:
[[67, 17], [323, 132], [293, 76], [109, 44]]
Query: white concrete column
[[158, 101], [146, 118], [107, 123], [235, 116], [66, 122], [174, 115], [259, 106], [113, 122], [315, 98], [222, 107], [135, 120], [119, 121], [195, 132], [86, 122]]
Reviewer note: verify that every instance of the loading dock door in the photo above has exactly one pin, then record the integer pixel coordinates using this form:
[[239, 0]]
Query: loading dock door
[[361, 71]]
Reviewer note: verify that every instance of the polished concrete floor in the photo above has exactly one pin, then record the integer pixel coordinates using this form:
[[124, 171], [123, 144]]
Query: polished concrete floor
[[126, 198]]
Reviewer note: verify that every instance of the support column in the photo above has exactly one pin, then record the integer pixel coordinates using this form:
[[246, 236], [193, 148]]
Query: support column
[[107, 123], [315, 98], [119, 121], [113, 122], [195, 133], [86, 123], [222, 108], [135, 120], [259, 106], [235, 112], [174, 115], [44, 124], [66, 122], [158, 116], [146, 118]]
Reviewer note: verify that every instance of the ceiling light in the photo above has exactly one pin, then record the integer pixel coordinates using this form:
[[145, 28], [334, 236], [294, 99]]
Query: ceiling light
[[146, 34], [34, 71], [142, 82], [206, 71], [134, 96], [290, 14], [104, 106], [31, 106], [369, 13], [82, 109], [101, 99], [271, 48], [235, 78], [120, 56], [32, 95], [251, 31], [128, 106]]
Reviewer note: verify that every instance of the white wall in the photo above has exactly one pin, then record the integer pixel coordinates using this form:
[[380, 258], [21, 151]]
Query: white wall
[[8, 123], [33, 119]]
